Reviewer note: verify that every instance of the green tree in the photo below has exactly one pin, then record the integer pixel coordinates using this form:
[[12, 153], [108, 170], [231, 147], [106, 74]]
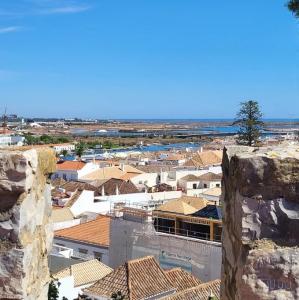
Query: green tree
[[46, 139], [293, 6], [64, 152], [117, 296], [108, 144], [250, 123], [79, 149], [53, 291]]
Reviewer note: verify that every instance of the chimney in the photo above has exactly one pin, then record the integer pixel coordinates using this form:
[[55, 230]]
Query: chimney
[[103, 190]]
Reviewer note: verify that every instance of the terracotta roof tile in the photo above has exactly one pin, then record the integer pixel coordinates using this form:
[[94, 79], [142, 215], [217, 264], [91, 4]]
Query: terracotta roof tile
[[111, 283], [185, 205], [201, 292], [70, 165], [85, 273], [94, 232], [111, 172], [58, 182], [137, 279], [146, 278], [155, 168], [216, 191], [181, 279], [210, 177], [72, 186], [196, 202], [206, 158], [190, 177], [177, 207], [124, 187], [128, 176]]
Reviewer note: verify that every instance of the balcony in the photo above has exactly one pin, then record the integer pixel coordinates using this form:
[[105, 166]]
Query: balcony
[[66, 252]]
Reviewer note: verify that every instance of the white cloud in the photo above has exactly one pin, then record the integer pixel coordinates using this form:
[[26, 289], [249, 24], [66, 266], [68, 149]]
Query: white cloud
[[9, 29], [64, 10], [25, 8]]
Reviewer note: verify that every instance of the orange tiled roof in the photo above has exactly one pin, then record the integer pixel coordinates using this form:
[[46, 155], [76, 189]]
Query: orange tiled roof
[[137, 279], [70, 165], [206, 158], [94, 232], [210, 176], [124, 187], [200, 292], [181, 279], [85, 272], [185, 205]]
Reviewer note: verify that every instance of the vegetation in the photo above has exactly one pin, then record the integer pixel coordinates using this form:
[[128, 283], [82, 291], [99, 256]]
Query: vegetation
[[250, 123], [293, 6], [53, 291], [45, 139], [118, 296], [80, 148], [64, 152]]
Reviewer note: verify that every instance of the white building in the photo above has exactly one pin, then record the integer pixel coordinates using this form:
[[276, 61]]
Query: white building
[[74, 170], [145, 179], [89, 240], [11, 140], [172, 177], [72, 280], [205, 181], [189, 182], [61, 147]]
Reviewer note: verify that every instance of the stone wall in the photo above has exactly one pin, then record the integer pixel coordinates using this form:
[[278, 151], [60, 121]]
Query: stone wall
[[25, 230], [260, 257]]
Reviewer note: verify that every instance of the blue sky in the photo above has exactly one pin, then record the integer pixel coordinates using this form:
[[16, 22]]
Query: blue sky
[[148, 58]]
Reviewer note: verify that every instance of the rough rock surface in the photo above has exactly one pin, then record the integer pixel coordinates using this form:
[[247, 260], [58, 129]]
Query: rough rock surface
[[25, 231], [260, 257]]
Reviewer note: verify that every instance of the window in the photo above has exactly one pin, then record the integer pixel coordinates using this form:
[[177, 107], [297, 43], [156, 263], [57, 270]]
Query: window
[[205, 185], [83, 251], [97, 255], [194, 186], [217, 185], [64, 176]]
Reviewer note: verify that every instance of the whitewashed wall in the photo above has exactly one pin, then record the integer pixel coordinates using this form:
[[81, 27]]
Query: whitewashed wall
[[150, 179], [90, 248], [65, 224]]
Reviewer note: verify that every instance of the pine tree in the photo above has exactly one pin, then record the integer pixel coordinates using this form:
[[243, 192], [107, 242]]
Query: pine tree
[[250, 123], [53, 291], [293, 6]]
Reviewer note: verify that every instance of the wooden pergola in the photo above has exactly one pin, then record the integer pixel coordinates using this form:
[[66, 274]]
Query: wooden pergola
[[179, 218]]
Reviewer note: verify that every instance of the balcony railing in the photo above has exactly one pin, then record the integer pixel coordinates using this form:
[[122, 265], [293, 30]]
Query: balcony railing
[[83, 256], [66, 252], [187, 233]]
